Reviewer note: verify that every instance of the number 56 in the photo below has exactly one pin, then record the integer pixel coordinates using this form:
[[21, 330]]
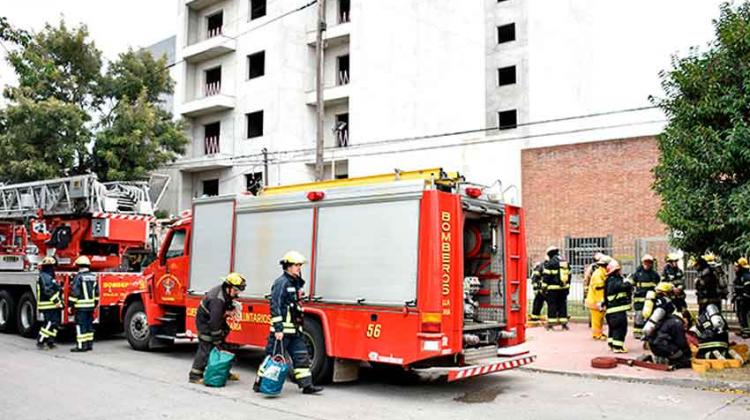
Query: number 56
[[373, 331]]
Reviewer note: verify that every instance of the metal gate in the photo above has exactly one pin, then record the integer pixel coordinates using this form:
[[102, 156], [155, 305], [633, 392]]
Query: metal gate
[[580, 251]]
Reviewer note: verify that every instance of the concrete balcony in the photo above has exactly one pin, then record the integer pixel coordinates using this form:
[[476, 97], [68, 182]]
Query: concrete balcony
[[333, 36], [204, 163], [207, 49], [200, 4], [332, 95], [207, 105]]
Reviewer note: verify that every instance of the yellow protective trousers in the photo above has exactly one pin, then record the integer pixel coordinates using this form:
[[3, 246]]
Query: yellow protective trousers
[[597, 323]]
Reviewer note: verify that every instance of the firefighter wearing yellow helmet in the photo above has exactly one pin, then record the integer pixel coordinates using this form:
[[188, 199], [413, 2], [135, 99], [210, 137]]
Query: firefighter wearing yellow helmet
[[741, 295], [710, 288], [664, 330], [645, 279], [48, 302], [217, 305], [287, 322], [84, 298], [673, 273]]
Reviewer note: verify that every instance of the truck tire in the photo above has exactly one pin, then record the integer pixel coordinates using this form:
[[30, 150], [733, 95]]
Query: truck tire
[[321, 365], [136, 327], [7, 312], [26, 315]]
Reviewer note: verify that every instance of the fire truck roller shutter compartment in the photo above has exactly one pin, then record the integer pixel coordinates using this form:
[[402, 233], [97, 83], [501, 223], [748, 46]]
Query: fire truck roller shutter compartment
[[368, 251], [263, 237], [211, 242]]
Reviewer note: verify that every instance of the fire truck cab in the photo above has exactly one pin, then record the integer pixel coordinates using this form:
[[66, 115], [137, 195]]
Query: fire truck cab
[[420, 270]]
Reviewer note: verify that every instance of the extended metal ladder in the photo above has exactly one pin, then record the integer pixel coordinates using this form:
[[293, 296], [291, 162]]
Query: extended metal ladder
[[82, 194]]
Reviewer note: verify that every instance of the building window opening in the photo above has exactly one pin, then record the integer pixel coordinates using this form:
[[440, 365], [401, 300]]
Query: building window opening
[[213, 81], [215, 24], [212, 133], [506, 33], [254, 124], [256, 64], [345, 7], [506, 76], [507, 119], [343, 70], [257, 9], [341, 130], [211, 187], [254, 182]]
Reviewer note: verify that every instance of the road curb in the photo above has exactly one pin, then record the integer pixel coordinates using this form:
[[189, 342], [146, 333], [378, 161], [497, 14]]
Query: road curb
[[708, 384]]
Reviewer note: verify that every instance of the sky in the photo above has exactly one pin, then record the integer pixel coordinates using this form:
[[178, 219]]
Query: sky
[[114, 25]]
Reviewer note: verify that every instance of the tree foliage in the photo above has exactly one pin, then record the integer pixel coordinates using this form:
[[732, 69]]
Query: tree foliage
[[703, 174], [70, 115]]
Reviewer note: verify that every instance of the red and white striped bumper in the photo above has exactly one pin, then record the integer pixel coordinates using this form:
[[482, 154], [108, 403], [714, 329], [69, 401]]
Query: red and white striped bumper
[[456, 374]]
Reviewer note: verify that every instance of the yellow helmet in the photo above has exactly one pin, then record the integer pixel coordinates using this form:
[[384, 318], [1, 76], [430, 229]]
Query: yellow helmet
[[83, 260], [293, 257], [709, 258], [672, 256], [48, 261], [742, 262], [235, 280], [664, 287]]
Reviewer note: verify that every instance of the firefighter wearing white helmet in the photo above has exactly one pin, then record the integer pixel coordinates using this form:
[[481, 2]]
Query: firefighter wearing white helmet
[[287, 322], [84, 298], [48, 302], [217, 305], [645, 279], [674, 274], [617, 303], [741, 295], [595, 296], [556, 285]]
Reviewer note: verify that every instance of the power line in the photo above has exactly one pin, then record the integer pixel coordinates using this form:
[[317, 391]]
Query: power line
[[456, 133]]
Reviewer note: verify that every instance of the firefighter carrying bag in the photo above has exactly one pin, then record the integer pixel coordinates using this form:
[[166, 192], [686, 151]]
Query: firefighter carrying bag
[[217, 371], [273, 371]]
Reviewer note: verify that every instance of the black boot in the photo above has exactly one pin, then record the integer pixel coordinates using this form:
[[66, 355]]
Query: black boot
[[51, 344], [78, 349], [40, 345], [312, 389]]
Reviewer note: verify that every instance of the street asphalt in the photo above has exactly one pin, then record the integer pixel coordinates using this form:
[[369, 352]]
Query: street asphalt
[[116, 382]]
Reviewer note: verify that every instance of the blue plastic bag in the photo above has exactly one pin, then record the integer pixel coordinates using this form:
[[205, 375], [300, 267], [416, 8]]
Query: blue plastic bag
[[217, 371], [273, 372]]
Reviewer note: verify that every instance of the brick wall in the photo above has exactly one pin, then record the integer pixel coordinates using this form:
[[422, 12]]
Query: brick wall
[[590, 189]]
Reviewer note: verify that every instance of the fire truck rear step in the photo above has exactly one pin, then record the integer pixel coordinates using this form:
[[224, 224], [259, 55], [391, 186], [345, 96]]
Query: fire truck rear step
[[481, 367]]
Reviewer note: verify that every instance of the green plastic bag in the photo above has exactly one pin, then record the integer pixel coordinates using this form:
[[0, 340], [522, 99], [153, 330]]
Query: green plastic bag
[[217, 371]]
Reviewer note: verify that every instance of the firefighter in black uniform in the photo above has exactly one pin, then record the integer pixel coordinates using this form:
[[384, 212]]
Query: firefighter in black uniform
[[536, 284], [286, 322], [664, 330], [673, 273], [556, 285], [713, 334], [617, 303], [84, 298], [48, 302], [709, 288], [741, 295], [211, 322], [645, 279]]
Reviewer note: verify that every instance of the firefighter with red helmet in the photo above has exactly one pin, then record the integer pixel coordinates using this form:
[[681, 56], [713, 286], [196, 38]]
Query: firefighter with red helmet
[[211, 322], [617, 303], [84, 298], [287, 322], [556, 285], [48, 302]]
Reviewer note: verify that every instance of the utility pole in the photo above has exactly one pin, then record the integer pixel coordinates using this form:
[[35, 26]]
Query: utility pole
[[319, 55], [265, 167]]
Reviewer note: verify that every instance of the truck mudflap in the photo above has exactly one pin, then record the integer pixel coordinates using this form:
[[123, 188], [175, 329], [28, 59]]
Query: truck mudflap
[[479, 368]]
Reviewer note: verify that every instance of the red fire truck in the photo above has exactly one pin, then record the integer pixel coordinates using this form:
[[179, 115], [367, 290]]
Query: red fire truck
[[415, 269], [65, 218]]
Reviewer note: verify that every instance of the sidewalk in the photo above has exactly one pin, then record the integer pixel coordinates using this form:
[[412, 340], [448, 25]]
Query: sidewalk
[[570, 353]]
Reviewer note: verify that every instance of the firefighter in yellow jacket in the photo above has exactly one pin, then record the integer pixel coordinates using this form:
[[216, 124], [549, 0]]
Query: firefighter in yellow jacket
[[595, 297]]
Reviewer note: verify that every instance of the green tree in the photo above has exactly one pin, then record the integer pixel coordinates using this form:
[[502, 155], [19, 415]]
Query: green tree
[[703, 174], [70, 115]]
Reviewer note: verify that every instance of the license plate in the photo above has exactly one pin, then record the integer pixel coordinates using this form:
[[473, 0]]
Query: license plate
[[10, 259]]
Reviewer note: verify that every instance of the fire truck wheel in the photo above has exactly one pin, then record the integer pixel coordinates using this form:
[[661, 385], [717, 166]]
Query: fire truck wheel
[[136, 327], [26, 315], [7, 312], [322, 365]]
